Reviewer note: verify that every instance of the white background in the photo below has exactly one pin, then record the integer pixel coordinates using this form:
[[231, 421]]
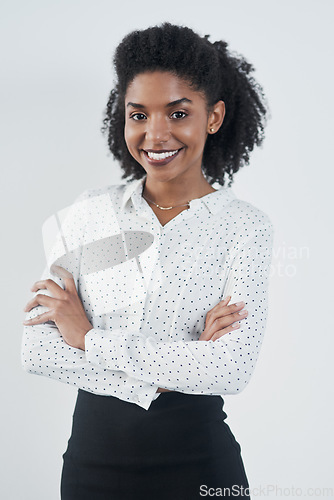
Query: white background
[[55, 79]]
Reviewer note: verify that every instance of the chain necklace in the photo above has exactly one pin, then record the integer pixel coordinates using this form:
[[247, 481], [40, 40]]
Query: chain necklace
[[167, 208]]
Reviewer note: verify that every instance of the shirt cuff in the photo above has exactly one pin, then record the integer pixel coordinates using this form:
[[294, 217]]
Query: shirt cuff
[[96, 344]]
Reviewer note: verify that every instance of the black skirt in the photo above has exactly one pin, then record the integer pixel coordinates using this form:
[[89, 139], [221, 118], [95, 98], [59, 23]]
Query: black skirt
[[178, 449]]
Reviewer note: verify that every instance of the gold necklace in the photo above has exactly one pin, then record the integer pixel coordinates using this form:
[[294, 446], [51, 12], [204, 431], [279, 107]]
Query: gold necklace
[[167, 208]]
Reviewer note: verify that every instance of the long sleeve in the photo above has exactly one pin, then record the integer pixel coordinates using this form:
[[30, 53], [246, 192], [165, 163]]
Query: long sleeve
[[44, 351], [218, 367]]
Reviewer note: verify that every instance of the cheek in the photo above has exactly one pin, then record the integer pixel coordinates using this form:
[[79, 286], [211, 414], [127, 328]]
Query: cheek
[[195, 130], [130, 136], [194, 137]]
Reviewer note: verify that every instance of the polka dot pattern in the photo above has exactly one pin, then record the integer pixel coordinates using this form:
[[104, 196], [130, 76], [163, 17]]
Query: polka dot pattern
[[146, 288]]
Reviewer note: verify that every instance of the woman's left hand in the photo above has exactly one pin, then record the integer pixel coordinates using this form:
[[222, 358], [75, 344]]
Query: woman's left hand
[[65, 309]]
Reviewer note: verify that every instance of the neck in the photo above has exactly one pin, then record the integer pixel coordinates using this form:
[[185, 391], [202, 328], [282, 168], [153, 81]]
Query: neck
[[175, 192]]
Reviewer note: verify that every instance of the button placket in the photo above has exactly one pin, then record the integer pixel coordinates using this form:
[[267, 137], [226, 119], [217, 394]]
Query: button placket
[[156, 273]]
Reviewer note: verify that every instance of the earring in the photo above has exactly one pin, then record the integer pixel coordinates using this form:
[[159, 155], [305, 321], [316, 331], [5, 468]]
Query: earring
[[212, 129]]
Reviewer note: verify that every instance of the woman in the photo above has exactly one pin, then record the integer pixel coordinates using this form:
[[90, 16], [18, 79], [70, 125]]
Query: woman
[[158, 287]]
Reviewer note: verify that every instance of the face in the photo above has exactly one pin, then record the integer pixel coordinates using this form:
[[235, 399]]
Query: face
[[166, 125]]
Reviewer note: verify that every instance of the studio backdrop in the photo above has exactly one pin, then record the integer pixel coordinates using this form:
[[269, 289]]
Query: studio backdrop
[[56, 74]]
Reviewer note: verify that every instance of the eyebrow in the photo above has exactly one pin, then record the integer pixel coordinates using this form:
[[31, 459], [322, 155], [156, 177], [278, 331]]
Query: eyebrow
[[169, 105]]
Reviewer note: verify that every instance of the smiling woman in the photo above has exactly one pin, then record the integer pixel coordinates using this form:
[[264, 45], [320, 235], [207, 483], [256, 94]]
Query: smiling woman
[[148, 281], [166, 125]]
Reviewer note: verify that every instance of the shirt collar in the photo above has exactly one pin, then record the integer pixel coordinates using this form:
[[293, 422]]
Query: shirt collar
[[133, 189], [214, 201]]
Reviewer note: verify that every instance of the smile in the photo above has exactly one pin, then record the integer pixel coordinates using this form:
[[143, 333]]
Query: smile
[[161, 156]]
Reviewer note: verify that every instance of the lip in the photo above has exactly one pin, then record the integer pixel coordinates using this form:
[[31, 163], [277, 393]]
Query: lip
[[160, 162], [160, 150]]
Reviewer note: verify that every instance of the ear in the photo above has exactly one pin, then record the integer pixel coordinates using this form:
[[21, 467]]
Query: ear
[[216, 117]]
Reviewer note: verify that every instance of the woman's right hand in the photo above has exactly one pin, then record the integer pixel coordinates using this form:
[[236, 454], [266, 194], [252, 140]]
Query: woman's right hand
[[222, 319]]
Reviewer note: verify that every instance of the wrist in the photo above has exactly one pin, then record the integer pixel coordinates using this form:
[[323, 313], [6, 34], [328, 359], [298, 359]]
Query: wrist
[[81, 343]]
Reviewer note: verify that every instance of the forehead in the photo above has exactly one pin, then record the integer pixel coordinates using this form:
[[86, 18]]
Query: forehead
[[160, 86]]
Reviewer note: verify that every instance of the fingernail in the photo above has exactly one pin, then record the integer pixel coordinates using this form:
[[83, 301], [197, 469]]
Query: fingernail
[[243, 313], [236, 325], [239, 304], [227, 298]]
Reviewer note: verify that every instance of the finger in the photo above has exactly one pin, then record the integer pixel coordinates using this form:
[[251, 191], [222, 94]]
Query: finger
[[50, 285], [223, 302], [224, 331], [66, 276], [228, 320], [221, 323], [70, 284], [213, 313], [40, 300], [41, 318], [225, 316], [214, 334]]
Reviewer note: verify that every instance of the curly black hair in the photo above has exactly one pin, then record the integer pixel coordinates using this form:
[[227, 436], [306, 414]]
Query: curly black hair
[[208, 67]]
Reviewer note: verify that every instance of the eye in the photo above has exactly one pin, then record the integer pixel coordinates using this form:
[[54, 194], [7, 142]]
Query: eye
[[179, 115], [138, 116]]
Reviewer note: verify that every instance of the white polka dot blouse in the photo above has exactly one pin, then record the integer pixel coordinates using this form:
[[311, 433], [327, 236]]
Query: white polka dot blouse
[[146, 289]]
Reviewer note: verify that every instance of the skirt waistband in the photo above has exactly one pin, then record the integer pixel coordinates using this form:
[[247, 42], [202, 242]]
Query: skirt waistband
[[168, 404]]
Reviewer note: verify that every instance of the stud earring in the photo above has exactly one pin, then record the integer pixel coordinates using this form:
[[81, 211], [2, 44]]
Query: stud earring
[[212, 129]]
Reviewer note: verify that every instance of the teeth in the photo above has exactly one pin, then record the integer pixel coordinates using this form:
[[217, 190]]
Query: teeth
[[161, 156]]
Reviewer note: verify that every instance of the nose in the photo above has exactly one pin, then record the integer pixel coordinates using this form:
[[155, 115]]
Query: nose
[[157, 129]]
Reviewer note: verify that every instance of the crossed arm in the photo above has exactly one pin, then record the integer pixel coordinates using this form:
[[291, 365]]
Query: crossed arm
[[221, 361], [65, 309]]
